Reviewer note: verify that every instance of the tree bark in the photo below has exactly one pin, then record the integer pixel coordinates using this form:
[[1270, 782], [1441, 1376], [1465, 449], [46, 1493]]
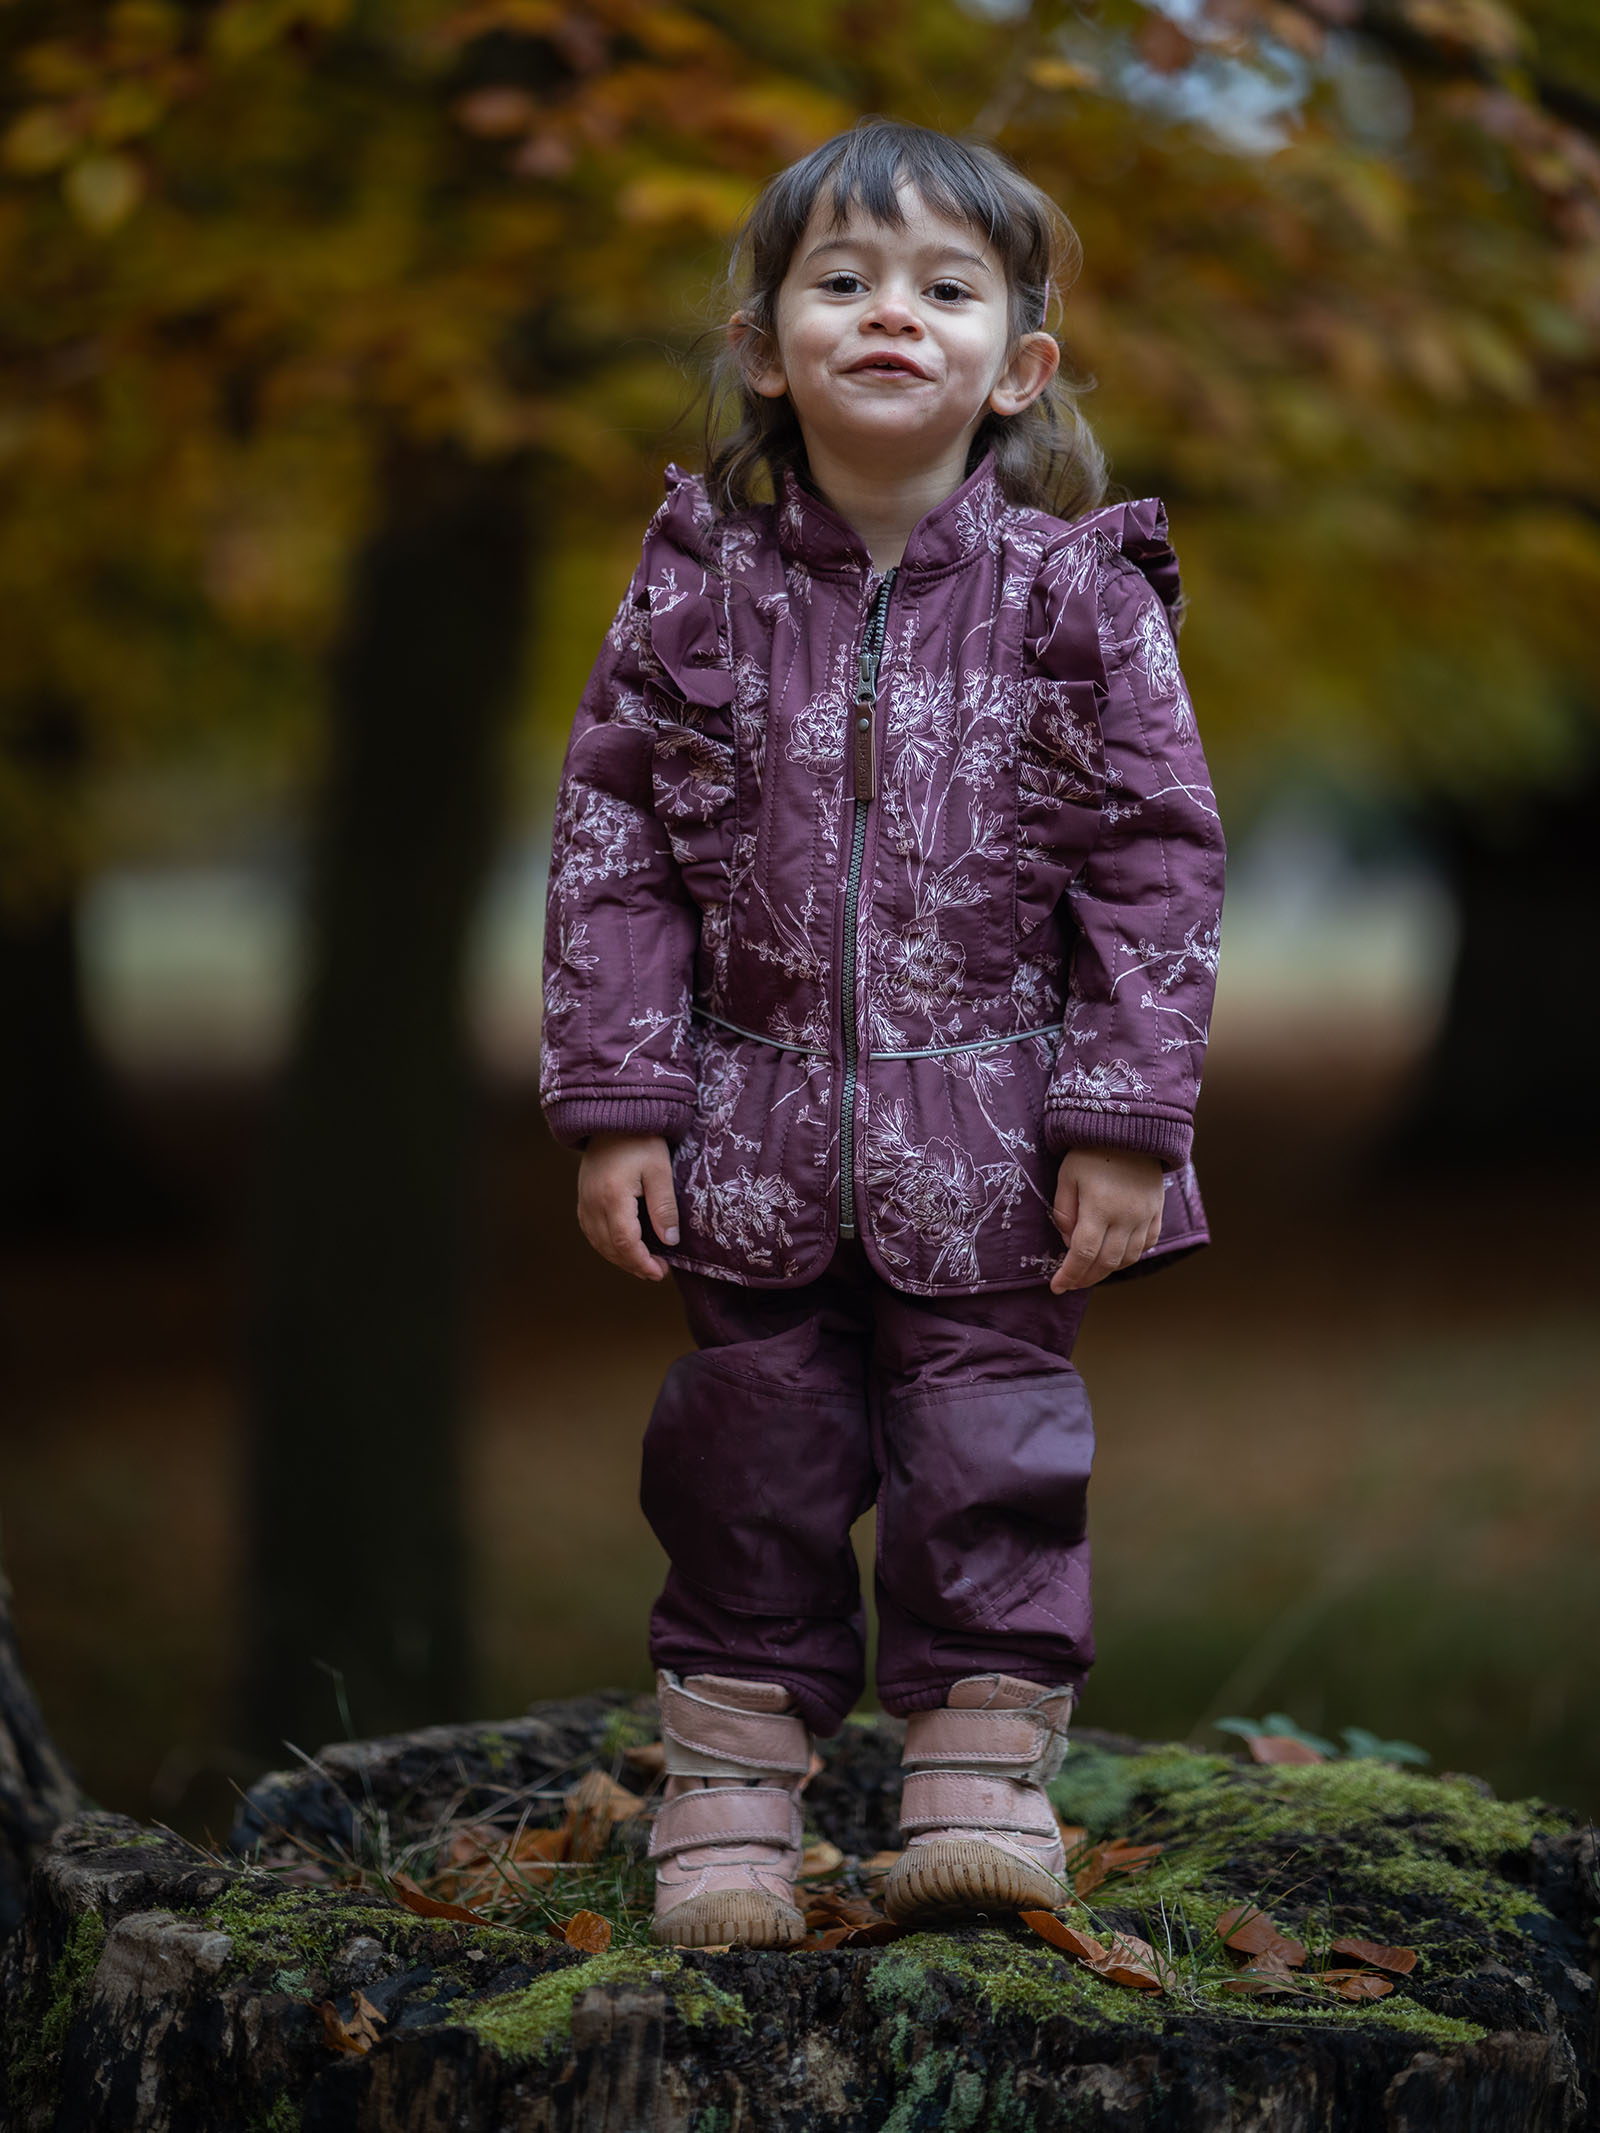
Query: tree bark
[[1521, 1014], [37, 1789], [354, 1535], [154, 1989]]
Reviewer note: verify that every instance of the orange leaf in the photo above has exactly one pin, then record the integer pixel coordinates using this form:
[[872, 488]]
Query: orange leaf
[[1060, 1935], [1131, 1961], [1357, 1984], [1401, 1960], [589, 1931], [1163, 46], [496, 113], [1249, 1931], [1115, 1856], [877, 1935], [1274, 1748], [1073, 1834], [1262, 1981], [429, 1907], [594, 1808], [359, 2034]]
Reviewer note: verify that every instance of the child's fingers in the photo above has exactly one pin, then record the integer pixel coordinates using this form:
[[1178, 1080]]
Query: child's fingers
[[1084, 1249], [660, 1201], [626, 1239]]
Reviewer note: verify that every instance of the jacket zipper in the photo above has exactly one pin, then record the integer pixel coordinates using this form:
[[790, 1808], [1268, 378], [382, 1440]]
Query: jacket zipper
[[863, 759]]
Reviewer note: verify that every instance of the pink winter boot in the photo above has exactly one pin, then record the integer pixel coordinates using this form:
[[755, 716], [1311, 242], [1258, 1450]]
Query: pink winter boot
[[980, 1833], [727, 1840]]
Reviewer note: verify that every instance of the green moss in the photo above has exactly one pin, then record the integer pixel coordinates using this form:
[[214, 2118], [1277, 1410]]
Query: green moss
[[35, 2063], [1446, 2032], [138, 1841], [300, 1932], [528, 2023], [496, 1750], [1399, 1836], [283, 2117], [627, 1729], [1009, 1975]]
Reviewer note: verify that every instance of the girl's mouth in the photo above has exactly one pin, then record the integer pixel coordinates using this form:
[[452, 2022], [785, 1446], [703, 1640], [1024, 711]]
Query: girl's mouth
[[899, 365]]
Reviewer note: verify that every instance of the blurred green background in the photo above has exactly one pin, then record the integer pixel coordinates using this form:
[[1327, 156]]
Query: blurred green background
[[343, 348]]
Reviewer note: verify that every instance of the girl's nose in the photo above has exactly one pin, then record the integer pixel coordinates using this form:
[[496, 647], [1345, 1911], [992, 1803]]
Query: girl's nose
[[892, 312]]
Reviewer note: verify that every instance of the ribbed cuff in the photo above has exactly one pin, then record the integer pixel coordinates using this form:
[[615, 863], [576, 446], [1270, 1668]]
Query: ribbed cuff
[[573, 1118], [1068, 1126]]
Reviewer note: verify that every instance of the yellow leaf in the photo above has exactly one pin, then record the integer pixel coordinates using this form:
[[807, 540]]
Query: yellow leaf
[[41, 139], [1061, 74], [103, 191]]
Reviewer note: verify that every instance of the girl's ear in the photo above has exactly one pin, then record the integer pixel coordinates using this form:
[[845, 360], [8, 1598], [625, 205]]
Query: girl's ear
[[1032, 364], [756, 354]]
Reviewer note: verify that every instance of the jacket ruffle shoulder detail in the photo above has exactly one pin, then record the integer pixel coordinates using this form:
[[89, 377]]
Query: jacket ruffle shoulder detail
[[1145, 904]]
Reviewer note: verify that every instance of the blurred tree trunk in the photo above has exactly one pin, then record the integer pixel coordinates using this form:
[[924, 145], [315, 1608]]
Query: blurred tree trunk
[[37, 1789], [69, 1156], [355, 1553], [1513, 1069]]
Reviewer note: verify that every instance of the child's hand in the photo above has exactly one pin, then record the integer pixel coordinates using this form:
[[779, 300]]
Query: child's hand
[[1108, 1207], [616, 1172]]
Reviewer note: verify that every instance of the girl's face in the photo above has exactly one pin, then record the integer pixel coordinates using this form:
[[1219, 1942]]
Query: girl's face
[[893, 344]]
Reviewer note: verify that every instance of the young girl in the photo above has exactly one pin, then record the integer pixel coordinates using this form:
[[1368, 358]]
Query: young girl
[[882, 933]]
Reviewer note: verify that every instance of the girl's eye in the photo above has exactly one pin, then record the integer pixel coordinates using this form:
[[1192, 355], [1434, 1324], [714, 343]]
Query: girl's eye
[[842, 283], [947, 292]]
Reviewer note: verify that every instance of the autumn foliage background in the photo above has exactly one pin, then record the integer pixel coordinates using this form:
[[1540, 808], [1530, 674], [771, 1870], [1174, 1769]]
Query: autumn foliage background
[[343, 345]]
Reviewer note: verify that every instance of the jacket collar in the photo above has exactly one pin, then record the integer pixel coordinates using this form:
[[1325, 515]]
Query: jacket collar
[[965, 524]]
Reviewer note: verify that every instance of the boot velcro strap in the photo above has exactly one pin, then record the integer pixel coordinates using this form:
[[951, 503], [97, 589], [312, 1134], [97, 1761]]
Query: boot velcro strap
[[971, 1799], [1008, 1743], [726, 1814], [748, 1740]]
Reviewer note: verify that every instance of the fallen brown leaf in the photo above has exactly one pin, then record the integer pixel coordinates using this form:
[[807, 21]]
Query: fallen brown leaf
[[589, 1931], [1249, 1931], [1263, 1981], [650, 1759], [1273, 1748], [426, 1906], [879, 1862], [594, 1808], [1357, 1984], [1115, 1856], [819, 1859], [1401, 1960], [359, 2034], [1126, 1961], [1073, 1834], [1060, 1935], [489, 1864]]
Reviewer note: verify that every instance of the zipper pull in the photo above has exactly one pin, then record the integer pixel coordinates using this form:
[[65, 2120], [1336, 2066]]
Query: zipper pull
[[862, 736]]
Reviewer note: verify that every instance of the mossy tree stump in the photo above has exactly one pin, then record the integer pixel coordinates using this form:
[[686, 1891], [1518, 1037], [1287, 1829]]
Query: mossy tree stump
[[152, 1987]]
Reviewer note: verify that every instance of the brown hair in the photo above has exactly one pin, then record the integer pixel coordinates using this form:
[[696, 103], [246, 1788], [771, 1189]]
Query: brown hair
[[1045, 458]]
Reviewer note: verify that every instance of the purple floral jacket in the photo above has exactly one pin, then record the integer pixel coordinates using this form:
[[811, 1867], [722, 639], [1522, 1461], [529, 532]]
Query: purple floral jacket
[[874, 895]]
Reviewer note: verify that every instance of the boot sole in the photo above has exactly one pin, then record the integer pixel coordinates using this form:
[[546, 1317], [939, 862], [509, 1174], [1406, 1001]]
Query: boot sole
[[754, 1921], [955, 1880]]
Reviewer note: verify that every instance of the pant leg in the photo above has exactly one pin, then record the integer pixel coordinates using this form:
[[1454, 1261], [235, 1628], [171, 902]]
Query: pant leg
[[757, 1462], [984, 1440]]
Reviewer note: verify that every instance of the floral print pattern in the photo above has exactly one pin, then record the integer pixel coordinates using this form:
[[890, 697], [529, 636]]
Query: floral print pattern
[[1040, 883]]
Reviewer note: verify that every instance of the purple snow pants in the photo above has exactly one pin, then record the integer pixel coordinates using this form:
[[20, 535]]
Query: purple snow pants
[[960, 1416]]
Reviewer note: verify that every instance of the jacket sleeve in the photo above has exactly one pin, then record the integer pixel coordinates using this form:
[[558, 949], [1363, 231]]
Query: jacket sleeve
[[620, 928], [1146, 904]]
